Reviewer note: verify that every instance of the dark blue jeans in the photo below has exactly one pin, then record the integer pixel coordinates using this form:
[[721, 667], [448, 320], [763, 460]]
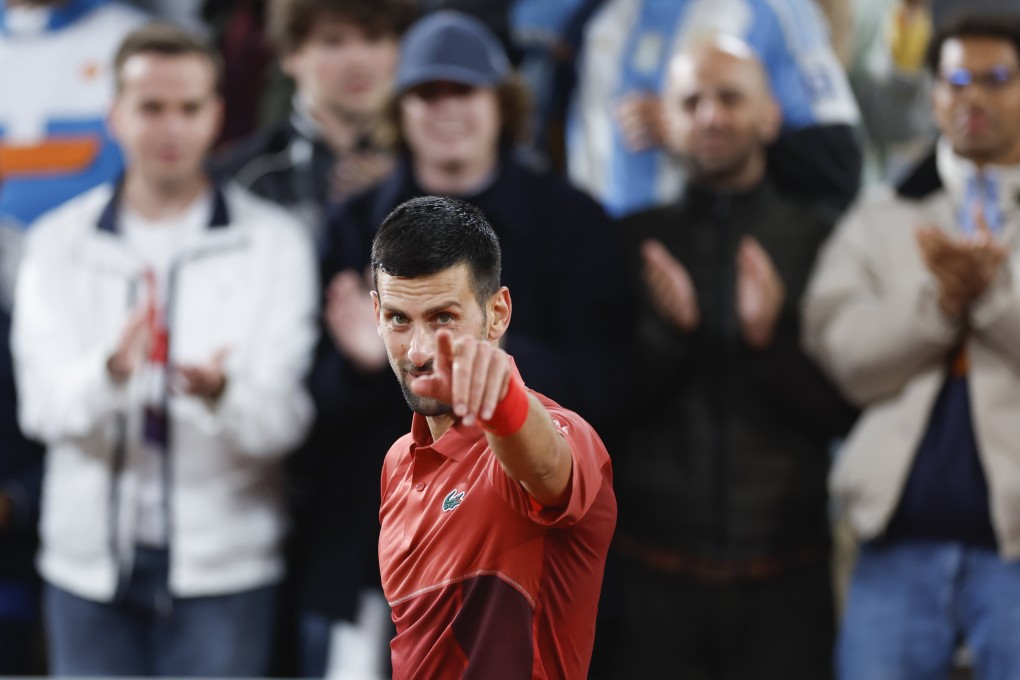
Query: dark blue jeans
[[911, 604], [147, 632]]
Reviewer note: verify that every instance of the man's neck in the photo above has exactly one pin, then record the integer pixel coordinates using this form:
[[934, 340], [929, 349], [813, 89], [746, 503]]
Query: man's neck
[[1004, 160], [160, 201], [455, 179], [749, 177], [340, 131], [439, 425]]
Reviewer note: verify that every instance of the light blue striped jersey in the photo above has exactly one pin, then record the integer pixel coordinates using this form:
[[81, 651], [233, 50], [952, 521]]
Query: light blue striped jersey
[[627, 47]]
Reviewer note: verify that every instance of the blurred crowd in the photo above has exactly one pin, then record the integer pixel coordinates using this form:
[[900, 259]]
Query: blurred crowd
[[770, 249]]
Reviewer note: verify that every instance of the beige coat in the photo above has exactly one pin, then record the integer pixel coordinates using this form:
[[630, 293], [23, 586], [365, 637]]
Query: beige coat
[[873, 322]]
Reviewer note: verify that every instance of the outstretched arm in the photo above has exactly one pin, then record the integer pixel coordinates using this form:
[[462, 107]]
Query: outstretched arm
[[478, 380]]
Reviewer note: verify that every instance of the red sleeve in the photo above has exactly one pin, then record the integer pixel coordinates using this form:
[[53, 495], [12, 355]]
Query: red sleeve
[[590, 470]]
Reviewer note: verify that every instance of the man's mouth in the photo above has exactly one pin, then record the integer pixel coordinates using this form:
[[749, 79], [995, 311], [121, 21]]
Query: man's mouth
[[358, 85], [415, 372], [974, 123]]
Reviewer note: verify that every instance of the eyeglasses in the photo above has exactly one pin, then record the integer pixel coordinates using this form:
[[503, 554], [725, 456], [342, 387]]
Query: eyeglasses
[[994, 78]]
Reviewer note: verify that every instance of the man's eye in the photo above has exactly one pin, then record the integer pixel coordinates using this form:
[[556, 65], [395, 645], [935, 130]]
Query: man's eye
[[730, 99], [398, 319], [444, 317]]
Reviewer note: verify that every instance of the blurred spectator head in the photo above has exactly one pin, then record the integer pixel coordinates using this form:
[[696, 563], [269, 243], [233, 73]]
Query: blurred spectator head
[[168, 40], [454, 47], [456, 95], [340, 53], [976, 98], [719, 114], [166, 112]]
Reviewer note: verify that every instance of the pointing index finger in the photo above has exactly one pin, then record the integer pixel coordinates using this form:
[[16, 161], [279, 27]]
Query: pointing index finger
[[444, 352]]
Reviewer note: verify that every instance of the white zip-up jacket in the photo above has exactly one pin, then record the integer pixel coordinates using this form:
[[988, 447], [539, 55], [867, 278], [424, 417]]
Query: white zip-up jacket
[[247, 282]]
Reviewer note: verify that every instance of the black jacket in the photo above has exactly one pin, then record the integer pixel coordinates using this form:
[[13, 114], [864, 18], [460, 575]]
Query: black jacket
[[268, 165], [726, 451]]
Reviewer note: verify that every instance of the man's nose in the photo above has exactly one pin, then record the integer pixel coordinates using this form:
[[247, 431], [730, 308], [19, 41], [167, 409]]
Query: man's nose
[[973, 94], [422, 346], [172, 124], [708, 111]]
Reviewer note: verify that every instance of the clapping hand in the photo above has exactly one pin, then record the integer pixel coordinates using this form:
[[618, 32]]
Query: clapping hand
[[207, 380], [963, 266], [670, 286], [133, 345], [760, 293], [350, 319]]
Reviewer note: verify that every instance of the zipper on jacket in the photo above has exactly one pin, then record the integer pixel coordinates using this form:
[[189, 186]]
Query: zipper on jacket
[[165, 608], [122, 562], [725, 301]]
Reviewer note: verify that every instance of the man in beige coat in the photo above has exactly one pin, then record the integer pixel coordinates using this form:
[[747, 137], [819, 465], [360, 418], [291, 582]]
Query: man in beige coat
[[914, 310]]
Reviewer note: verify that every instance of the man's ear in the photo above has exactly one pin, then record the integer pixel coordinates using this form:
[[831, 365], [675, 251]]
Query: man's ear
[[498, 313], [221, 112], [378, 316], [113, 118], [289, 65], [770, 123]]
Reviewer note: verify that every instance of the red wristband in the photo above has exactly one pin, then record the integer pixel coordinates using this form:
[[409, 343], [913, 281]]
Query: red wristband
[[511, 411]]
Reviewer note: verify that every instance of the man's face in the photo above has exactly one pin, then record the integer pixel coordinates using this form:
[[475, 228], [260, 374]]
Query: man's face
[[718, 114], [343, 69], [977, 99], [451, 124], [409, 313], [166, 115]]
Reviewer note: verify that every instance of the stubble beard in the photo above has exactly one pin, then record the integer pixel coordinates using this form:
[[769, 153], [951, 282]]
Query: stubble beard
[[424, 406]]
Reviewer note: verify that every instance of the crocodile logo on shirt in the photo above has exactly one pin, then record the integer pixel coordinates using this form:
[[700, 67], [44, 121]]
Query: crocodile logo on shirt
[[452, 500]]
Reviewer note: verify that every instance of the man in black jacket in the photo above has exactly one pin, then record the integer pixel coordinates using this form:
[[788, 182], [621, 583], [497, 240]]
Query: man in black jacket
[[723, 534]]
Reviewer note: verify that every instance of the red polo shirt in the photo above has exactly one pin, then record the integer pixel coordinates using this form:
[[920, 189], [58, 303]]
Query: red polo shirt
[[482, 581]]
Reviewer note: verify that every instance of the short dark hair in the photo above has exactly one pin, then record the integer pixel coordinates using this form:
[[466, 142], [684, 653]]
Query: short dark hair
[[1005, 27], [169, 40], [430, 234], [290, 22]]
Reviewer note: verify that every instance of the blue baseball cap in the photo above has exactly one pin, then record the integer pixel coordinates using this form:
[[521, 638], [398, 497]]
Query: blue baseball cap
[[453, 46]]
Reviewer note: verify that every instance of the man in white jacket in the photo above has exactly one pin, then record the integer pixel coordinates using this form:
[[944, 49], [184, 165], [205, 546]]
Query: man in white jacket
[[914, 309], [163, 329]]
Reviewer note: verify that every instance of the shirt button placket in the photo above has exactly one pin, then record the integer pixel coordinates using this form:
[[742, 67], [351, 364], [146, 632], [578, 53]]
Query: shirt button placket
[[422, 469]]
